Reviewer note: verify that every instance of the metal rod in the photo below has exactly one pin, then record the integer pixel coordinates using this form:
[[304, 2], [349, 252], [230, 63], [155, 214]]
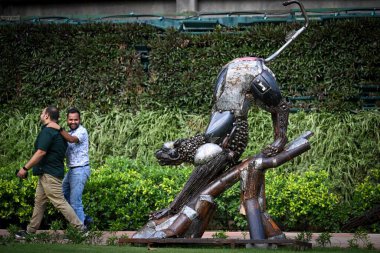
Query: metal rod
[[295, 35]]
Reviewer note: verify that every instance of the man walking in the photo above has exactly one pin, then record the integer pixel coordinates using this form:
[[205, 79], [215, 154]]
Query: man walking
[[77, 161], [47, 163]]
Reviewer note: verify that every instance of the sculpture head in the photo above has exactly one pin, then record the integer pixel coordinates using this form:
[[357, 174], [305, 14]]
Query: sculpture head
[[168, 154]]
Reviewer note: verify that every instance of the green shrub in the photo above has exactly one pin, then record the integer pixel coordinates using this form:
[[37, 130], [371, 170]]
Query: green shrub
[[361, 240], [366, 196], [296, 201], [17, 196], [303, 201], [367, 192], [304, 236], [338, 178], [121, 194], [324, 239], [220, 235]]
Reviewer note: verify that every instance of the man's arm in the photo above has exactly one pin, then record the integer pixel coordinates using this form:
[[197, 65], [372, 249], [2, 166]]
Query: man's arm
[[68, 137], [36, 158], [65, 135]]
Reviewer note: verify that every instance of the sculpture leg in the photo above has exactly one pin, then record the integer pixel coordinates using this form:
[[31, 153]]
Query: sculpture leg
[[200, 209], [198, 228], [253, 185], [255, 224], [272, 231], [202, 206], [180, 225], [260, 224], [193, 219], [197, 182]]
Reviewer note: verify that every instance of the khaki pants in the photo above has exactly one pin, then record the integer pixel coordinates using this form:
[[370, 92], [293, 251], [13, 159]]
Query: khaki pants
[[50, 188]]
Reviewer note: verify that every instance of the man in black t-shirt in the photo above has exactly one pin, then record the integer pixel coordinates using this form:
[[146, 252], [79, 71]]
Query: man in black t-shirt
[[47, 163]]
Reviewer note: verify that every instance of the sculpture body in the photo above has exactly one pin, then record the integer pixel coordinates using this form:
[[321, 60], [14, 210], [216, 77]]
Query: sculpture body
[[242, 83]]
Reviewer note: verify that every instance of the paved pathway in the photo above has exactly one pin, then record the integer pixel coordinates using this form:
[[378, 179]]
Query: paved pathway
[[337, 239]]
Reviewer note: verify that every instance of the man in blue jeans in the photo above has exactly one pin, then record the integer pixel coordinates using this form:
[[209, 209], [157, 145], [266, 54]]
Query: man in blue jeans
[[77, 160]]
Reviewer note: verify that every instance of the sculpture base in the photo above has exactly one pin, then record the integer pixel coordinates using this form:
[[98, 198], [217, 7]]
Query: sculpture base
[[215, 242]]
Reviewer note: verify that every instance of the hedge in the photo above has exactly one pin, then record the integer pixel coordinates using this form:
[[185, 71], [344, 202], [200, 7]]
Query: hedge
[[97, 66]]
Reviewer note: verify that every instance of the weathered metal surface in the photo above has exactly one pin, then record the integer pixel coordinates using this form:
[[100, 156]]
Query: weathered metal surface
[[241, 83], [212, 241]]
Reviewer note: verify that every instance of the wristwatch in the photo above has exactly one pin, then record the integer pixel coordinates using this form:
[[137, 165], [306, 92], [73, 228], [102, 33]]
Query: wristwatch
[[61, 129]]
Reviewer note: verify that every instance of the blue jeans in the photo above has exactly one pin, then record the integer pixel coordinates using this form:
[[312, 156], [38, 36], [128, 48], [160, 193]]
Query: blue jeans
[[73, 185]]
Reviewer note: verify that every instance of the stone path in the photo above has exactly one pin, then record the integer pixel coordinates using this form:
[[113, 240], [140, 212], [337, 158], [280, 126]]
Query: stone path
[[337, 239]]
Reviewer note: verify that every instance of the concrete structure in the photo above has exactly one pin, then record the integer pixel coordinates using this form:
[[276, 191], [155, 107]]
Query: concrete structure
[[161, 7]]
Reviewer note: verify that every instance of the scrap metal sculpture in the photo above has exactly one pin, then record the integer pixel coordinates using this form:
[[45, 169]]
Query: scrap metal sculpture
[[215, 153]]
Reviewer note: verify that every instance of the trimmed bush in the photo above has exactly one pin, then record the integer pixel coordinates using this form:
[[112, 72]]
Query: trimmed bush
[[97, 66]]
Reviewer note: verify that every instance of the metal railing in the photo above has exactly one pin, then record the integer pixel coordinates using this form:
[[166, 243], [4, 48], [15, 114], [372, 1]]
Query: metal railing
[[369, 98], [202, 21]]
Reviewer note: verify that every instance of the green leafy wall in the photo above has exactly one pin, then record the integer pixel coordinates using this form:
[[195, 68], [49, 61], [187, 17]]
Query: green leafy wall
[[98, 66]]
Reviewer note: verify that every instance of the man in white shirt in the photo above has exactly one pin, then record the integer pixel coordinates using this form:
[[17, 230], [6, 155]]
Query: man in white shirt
[[77, 160]]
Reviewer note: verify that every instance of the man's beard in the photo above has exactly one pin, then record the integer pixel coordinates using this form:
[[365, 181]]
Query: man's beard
[[73, 126]]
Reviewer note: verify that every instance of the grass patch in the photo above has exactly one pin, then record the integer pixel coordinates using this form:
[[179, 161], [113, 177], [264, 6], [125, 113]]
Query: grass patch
[[57, 248]]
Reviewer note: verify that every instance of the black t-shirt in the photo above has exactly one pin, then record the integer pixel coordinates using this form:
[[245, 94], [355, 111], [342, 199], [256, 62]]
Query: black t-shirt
[[51, 141]]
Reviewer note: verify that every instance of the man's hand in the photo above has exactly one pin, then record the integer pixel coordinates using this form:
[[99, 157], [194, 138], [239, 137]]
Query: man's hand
[[54, 125], [22, 173], [276, 147]]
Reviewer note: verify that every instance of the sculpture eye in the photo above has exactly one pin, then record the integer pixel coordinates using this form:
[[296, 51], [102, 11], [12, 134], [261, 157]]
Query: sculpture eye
[[173, 153]]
